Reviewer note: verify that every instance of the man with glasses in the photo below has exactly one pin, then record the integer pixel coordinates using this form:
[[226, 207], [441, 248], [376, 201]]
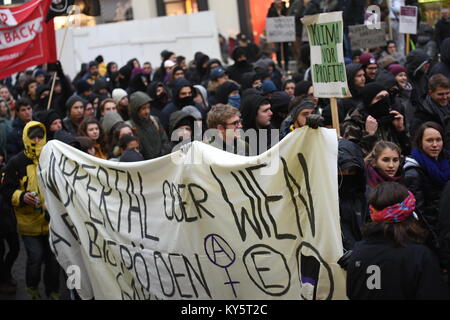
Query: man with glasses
[[227, 125]]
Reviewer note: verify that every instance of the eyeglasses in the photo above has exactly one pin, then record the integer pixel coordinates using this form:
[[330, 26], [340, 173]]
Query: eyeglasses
[[234, 123]]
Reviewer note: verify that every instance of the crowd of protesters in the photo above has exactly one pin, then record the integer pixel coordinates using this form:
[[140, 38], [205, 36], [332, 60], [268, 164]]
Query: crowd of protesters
[[393, 162]]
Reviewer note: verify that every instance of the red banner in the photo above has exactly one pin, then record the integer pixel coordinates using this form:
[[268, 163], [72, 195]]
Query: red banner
[[25, 38]]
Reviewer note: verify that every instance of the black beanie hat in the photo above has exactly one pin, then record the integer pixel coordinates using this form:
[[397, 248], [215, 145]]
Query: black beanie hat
[[302, 87], [47, 117], [280, 102], [369, 92]]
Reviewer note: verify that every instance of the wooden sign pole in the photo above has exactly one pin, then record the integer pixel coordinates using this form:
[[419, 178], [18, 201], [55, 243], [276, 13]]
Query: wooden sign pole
[[407, 43], [335, 116], [58, 57]]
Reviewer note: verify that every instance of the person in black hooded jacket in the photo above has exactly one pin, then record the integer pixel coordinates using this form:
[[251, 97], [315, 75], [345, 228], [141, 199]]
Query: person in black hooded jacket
[[223, 93], [417, 65], [352, 189], [356, 82], [199, 73], [257, 115], [240, 66], [443, 67], [183, 95], [161, 97]]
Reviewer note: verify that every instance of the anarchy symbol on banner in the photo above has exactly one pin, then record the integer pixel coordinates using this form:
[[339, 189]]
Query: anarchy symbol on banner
[[222, 255]]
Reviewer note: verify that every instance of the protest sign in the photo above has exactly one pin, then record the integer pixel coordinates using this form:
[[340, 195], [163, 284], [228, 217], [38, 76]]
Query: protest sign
[[365, 38], [280, 29], [25, 38], [408, 20], [218, 229], [325, 32]]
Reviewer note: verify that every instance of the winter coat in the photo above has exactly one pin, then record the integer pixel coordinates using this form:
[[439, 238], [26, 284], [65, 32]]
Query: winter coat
[[237, 70], [198, 74], [21, 177], [347, 105], [401, 99], [152, 137], [428, 110], [443, 67], [14, 144], [249, 109], [158, 103], [273, 12], [428, 195], [176, 105], [5, 128], [352, 199], [406, 273], [444, 228], [414, 62], [442, 31], [354, 129], [313, 7], [426, 40]]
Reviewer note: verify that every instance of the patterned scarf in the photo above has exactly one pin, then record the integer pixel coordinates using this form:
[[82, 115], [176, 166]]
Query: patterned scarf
[[396, 213]]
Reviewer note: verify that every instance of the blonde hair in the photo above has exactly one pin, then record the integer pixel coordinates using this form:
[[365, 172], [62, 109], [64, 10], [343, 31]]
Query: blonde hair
[[220, 114]]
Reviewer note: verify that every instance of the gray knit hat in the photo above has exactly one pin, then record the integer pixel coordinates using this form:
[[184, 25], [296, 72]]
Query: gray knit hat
[[138, 99]]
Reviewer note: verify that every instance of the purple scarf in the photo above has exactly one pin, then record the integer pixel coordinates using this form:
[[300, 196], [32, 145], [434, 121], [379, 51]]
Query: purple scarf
[[374, 177]]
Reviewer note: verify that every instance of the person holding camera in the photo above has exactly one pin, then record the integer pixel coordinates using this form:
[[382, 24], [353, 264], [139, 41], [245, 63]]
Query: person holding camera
[[403, 93], [376, 120]]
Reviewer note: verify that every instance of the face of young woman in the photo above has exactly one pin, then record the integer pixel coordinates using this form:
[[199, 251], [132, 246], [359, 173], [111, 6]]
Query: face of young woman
[[93, 131], [290, 89], [402, 79], [388, 162], [432, 143]]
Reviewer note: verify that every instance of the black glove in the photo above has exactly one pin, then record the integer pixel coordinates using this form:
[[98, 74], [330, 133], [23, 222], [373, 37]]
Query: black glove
[[314, 121]]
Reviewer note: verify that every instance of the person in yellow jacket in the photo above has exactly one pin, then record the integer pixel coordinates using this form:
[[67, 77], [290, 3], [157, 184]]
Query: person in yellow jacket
[[20, 185]]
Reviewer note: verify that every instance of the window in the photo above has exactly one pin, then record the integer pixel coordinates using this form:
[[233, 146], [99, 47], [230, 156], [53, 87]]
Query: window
[[178, 7]]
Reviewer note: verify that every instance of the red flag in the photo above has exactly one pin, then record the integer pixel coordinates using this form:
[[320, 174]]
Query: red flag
[[25, 38]]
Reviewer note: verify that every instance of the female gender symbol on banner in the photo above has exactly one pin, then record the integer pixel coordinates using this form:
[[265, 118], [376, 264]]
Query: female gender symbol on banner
[[221, 254]]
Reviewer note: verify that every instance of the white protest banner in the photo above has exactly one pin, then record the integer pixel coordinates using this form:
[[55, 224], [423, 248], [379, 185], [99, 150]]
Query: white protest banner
[[325, 32], [365, 38], [280, 29], [215, 230], [408, 20]]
